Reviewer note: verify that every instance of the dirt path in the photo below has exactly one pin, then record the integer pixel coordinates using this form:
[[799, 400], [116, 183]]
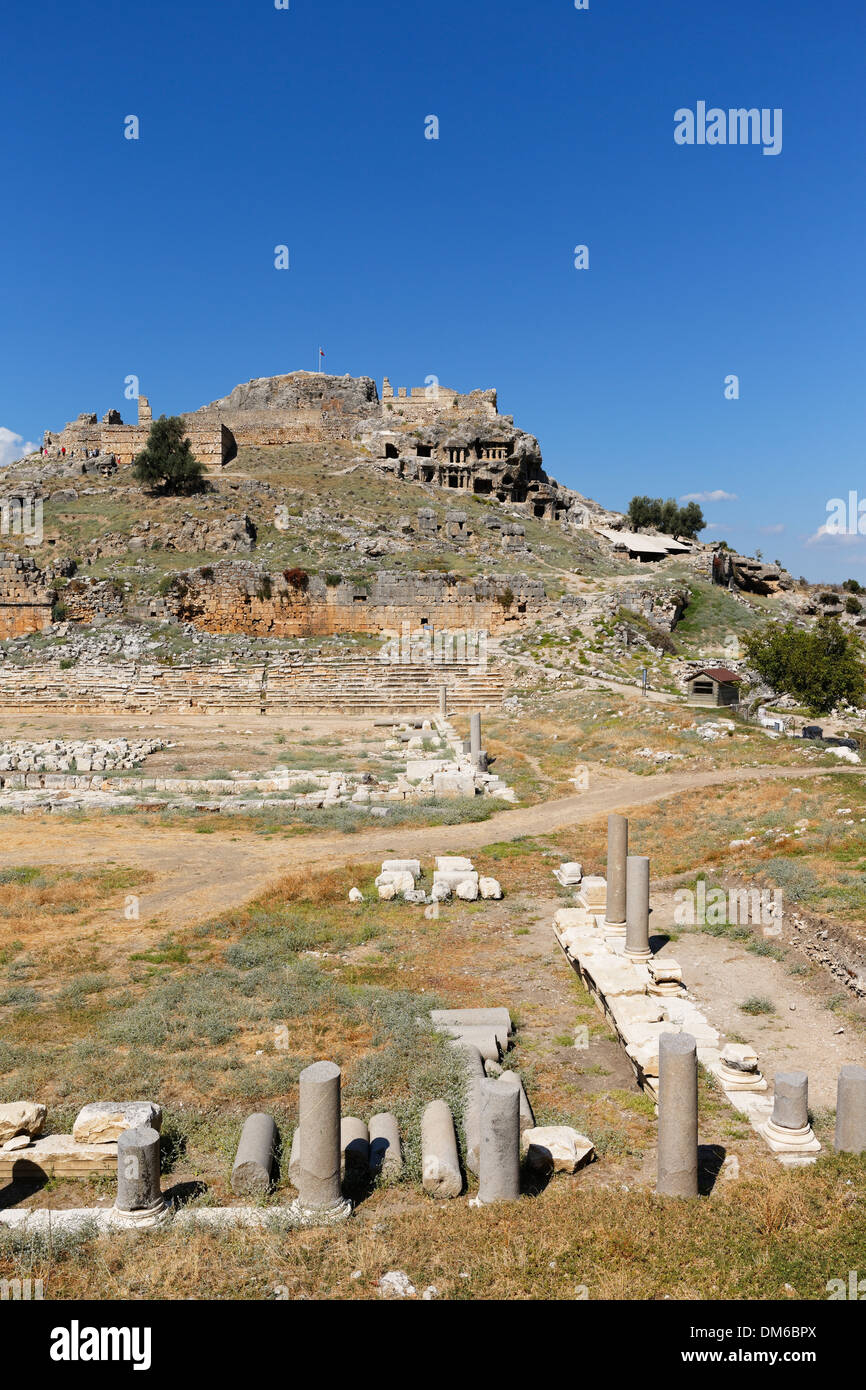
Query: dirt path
[[196, 875]]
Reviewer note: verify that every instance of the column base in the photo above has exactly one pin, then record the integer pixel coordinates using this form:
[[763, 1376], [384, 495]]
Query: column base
[[789, 1141], [735, 1080], [613, 928], [145, 1219], [319, 1216], [639, 955]]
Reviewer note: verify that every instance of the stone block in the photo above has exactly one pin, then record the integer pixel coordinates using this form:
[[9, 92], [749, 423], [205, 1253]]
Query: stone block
[[58, 1156], [567, 917], [21, 1117], [451, 880], [103, 1121], [593, 892], [453, 784], [556, 1148], [613, 976], [490, 887], [569, 874], [402, 866]]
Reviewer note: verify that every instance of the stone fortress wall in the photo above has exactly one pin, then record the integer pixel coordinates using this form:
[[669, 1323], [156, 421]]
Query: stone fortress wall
[[211, 443], [236, 596], [425, 402]]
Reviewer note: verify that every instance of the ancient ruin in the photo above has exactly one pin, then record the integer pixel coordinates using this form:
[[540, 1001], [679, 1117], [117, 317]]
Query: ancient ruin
[[431, 434]]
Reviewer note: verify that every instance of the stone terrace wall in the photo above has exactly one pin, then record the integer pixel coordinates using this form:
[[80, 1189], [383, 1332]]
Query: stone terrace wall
[[25, 597], [354, 685], [236, 596]]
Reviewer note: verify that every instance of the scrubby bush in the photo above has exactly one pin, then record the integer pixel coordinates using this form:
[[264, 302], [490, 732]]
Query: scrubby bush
[[167, 463]]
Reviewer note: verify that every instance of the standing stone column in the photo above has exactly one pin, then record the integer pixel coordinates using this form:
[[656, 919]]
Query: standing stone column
[[617, 854], [788, 1129], [320, 1197], [499, 1167], [851, 1111], [791, 1100], [139, 1197], [475, 752], [443, 701], [475, 1074], [637, 907], [678, 1116], [475, 734]]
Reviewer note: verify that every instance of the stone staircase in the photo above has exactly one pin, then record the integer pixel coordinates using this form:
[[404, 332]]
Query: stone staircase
[[347, 685]]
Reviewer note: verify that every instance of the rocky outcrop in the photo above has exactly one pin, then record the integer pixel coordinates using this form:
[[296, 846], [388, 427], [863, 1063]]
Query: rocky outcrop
[[749, 574], [297, 407]]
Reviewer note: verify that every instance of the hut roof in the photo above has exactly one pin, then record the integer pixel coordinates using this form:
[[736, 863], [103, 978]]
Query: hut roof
[[717, 673]]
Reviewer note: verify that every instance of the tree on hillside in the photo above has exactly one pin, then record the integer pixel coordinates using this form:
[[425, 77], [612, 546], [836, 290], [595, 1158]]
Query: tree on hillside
[[820, 666], [167, 463], [666, 516], [691, 521]]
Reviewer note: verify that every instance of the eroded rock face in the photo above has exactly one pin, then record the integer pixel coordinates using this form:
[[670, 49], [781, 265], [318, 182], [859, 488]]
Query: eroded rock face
[[753, 576], [295, 407], [297, 390], [21, 1117]]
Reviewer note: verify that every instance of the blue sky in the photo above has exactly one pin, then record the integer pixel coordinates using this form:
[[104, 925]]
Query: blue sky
[[454, 257]]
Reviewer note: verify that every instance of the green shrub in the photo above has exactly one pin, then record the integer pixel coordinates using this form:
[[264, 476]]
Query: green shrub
[[167, 463], [820, 667]]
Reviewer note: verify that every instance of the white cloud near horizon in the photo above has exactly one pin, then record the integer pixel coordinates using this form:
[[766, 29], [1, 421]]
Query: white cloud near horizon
[[824, 534], [12, 447], [718, 495]]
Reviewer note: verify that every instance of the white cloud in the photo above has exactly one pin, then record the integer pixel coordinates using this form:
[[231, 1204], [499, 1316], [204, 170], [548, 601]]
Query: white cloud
[[718, 495], [823, 533], [12, 447]]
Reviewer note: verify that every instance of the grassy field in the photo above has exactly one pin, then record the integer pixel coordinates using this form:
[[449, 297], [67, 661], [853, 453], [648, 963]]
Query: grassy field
[[774, 1236], [218, 1019], [331, 496], [560, 732]]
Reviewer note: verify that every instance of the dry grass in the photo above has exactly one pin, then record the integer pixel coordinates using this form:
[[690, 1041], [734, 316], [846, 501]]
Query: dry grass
[[218, 1019], [773, 1235]]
